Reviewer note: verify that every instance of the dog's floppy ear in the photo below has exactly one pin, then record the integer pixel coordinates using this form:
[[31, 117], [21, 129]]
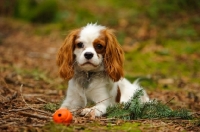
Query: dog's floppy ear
[[65, 57], [114, 56]]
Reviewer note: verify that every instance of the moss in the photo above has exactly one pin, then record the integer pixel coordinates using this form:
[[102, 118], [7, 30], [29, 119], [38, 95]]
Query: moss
[[179, 61], [128, 127], [52, 107]]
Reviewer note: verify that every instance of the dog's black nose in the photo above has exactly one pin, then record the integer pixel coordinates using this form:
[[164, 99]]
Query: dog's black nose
[[88, 55]]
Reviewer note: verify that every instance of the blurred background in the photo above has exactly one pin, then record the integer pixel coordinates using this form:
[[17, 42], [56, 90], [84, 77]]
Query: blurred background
[[160, 37], [138, 19]]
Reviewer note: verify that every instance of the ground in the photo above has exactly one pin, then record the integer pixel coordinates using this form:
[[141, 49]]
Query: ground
[[30, 85]]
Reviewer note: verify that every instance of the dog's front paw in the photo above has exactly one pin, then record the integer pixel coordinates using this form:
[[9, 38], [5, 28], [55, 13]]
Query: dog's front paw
[[87, 111], [92, 110]]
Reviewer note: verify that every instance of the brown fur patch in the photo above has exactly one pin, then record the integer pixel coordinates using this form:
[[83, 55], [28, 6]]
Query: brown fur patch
[[65, 56], [117, 99], [100, 41], [113, 57]]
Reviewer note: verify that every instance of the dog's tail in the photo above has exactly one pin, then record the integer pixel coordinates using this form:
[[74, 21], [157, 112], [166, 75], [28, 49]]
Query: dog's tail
[[137, 81], [145, 97]]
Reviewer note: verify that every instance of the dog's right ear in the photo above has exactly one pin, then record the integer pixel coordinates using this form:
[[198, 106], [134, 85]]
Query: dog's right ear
[[65, 57], [114, 56]]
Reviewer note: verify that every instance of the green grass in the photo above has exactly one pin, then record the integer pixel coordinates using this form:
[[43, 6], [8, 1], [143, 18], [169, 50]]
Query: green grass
[[174, 59], [36, 74], [52, 107], [128, 127]]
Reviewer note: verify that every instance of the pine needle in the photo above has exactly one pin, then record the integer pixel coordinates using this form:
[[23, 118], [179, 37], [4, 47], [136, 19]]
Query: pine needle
[[134, 109]]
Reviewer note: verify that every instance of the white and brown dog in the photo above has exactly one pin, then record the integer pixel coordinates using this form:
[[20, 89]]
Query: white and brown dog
[[92, 60]]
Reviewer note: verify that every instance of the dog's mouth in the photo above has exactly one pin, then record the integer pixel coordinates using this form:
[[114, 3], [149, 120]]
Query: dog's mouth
[[89, 63]]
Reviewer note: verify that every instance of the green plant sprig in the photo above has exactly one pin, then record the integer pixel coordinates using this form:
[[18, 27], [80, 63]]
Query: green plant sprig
[[134, 109]]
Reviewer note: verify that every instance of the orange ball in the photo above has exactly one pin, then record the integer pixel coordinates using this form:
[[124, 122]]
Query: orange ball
[[62, 116]]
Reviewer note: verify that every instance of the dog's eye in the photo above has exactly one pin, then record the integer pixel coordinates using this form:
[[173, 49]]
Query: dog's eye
[[80, 45], [99, 46]]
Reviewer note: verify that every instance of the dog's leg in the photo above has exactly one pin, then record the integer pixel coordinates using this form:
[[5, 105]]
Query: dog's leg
[[101, 97], [75, 98]]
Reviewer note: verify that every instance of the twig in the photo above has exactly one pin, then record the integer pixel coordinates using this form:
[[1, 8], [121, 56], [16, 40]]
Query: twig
[[169, 101], [195, 114], [9, 80], [12, 95], [93, 108], [37, 125], [29, 106], [16, 110], [34, 115], [41, 100], [106, 119], [23, 97], [103, 100], [8, 98], [7, 125], [33, 95], [78, 110], [3, 80], [41, 111]]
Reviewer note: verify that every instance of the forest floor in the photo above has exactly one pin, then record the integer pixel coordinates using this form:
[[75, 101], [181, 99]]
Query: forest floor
[[29, 85]]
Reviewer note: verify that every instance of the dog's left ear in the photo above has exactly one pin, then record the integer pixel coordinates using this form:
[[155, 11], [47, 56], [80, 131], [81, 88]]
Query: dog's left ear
[[114, 56], [65, 57]]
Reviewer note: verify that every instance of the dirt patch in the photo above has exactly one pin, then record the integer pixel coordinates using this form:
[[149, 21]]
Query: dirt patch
[[24, 93]]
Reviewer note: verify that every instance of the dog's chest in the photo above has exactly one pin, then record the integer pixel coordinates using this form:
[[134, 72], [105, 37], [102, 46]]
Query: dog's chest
[[84, 79]]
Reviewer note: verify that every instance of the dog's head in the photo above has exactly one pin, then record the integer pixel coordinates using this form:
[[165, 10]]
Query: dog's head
[[91, 48]]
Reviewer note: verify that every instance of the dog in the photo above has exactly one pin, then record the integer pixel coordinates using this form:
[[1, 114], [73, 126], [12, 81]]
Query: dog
[[91, 59]]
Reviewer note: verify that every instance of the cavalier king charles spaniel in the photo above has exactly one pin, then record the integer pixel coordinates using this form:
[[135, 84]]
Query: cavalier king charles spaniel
[[91, 59]]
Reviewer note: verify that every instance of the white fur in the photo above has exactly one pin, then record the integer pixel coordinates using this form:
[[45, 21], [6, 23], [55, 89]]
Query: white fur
[[90, 82], [87, 35]]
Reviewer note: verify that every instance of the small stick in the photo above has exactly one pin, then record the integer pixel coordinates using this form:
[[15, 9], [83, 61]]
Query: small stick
[[34, 115], [41, 111], [9, 80], [16, 110], [23, 97], [37, 125], [96, 103], [95, 108], [103, 100], [29, 106], [7, 125], [3, 80], [169, 100], [41, 100]]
